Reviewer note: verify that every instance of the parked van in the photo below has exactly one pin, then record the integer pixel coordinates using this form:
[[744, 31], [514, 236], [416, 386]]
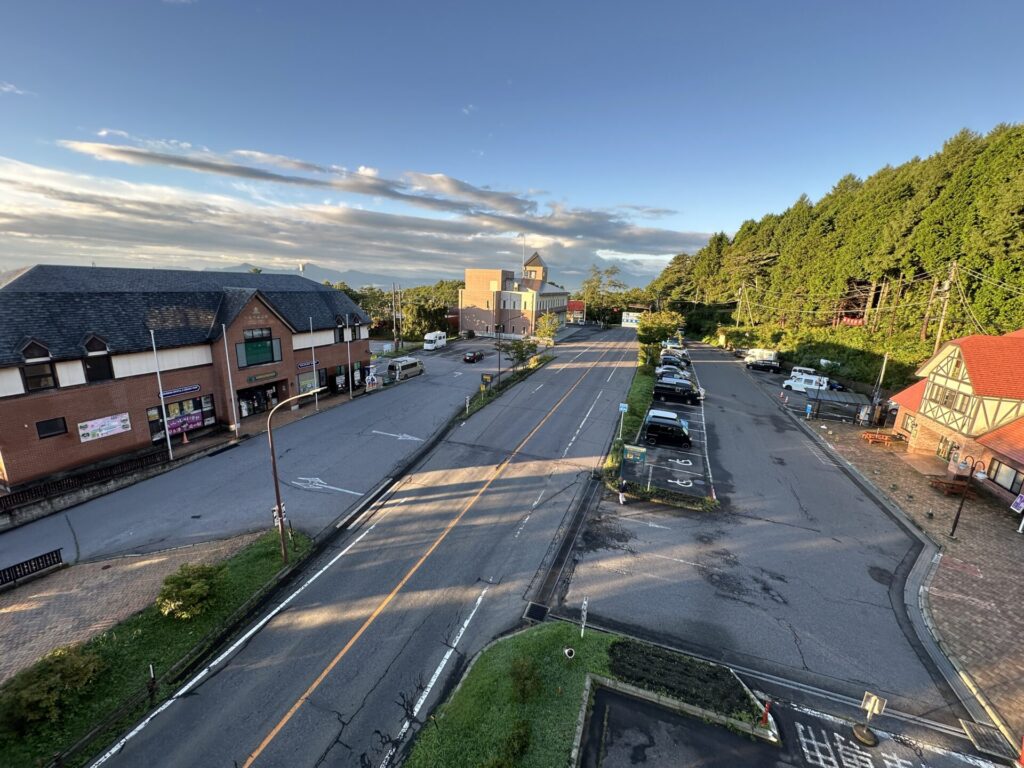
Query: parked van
[[802, 371], [762, 359], [665, 428], [801, 382], [670, 390], [435, 340], [404, 367]]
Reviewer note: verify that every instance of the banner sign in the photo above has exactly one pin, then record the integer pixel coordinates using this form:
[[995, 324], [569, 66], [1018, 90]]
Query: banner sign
[[184, 422], [181, 390], [631, 319], [1018, 504], [105, 427], [308, 363]]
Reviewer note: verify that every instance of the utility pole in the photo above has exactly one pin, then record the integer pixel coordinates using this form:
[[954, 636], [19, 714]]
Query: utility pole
[[928, 309], [895, 304], [945, 306], [394, 314], [881, 305]]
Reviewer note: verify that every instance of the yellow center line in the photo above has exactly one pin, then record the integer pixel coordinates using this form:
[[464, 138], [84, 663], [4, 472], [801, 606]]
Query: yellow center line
[[254, 755]]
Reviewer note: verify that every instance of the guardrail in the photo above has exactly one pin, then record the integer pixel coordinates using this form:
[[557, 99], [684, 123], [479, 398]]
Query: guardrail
[[27, 568]]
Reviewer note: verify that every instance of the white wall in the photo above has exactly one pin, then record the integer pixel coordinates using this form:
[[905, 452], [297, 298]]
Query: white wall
[[139, 363], [70, 373], [320, 339], [10, 382]]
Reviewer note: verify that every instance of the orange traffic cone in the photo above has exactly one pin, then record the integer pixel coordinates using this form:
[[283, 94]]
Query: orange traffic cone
[[184, 438]]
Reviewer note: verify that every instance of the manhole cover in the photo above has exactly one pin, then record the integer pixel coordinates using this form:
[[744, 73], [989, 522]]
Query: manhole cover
[[535, 612], [988, 740]]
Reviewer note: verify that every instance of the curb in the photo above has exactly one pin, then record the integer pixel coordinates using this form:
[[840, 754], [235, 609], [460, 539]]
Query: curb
[[918, 579]]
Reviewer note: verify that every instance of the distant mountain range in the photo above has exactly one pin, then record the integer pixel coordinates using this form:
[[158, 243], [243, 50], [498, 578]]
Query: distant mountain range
[[352, 278]]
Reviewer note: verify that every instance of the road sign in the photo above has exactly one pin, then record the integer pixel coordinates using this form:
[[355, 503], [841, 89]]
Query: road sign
[[1018, 504], [623, 407], [635, 454], [873, 704], [486, 378]]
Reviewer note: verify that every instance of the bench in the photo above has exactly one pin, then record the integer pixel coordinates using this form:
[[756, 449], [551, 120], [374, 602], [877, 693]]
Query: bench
[[878, 438], [952, 487]]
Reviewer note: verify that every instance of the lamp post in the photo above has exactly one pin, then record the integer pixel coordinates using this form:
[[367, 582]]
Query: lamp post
[[498, 330], [975, 464], [279, 509]]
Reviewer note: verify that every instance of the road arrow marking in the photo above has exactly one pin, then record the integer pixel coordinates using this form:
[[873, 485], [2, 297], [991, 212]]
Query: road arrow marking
[[316, 484], [402, 436]]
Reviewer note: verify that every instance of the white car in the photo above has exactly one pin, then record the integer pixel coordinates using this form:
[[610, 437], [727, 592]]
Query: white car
[[671, 370], [801, 382]]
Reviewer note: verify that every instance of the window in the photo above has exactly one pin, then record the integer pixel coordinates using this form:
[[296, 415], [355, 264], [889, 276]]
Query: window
[[35, 351], [1005, 476], [909, 422], [96, 345], [256, 333], [98, 368], [39, 376], [949, 398], [258, 351], [51, 428]]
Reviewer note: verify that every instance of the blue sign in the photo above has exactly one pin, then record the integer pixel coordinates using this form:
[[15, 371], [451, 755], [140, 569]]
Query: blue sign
[[623, 407], [180, 390], [308, 363]]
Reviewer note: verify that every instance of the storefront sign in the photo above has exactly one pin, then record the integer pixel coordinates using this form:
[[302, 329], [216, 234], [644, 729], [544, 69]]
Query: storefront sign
[[261, 377], [184, 422], [308, 363], [108, 425], [180, 390]]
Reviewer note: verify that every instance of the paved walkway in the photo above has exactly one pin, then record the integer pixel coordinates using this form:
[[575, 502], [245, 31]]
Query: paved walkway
[[976, 593], [77, 603]]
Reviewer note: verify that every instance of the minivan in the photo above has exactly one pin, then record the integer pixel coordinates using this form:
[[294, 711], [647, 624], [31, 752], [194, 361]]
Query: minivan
[[665, 428], [404, 367], [669, 390], [801, 382], [801, 370]]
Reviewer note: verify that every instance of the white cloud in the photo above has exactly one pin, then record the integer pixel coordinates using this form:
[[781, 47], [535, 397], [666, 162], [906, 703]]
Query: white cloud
[[469, 109], [366, 170], [12, 89]]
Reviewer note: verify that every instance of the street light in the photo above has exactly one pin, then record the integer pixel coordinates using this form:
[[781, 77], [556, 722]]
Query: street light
[[975, 463], [279, 509], [498, 330]]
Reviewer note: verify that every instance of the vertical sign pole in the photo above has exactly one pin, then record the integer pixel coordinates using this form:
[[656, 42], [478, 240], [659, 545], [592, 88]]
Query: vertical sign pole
[[163, 405], [231, 385], [316, 376]]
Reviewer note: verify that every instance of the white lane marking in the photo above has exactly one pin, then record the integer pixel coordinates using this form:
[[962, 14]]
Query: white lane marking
[[437, 673], [580, 427], [220, 659], [645, 523], [521, 526], [539, 497], [457, 373], [316, 484], [581, 353], [538, 387], [684, 562], [703, 419], [402, 436]]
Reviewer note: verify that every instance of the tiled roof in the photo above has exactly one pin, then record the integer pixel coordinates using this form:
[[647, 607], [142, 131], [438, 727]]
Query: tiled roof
[[1007, 441], [61, 306], [910, 398], [995, 364], [537, 286]]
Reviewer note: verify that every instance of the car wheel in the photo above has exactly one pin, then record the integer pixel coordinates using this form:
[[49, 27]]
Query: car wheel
[[786, 386], [650, 441], [688, 445]]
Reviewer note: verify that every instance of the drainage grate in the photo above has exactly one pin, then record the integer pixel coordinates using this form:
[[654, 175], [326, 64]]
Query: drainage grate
[[988, 740], [535, 612]]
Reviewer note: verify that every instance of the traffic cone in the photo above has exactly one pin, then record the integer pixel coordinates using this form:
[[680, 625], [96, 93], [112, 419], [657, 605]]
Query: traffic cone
[[184, 438]]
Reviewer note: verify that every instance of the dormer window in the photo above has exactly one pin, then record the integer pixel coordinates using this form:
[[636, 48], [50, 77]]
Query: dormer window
[[38, 372], [97, 360]]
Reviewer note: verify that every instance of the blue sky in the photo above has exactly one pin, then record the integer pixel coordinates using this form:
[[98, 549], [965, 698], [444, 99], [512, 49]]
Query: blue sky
[[420, 138]]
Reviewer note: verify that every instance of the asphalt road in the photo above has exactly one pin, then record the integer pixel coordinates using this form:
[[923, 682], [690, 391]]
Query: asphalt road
[[799, 574], [326, 463], [443, 564]]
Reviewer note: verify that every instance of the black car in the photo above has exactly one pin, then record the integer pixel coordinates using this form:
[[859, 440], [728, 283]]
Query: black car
[[665, 428], [678, 362], [764, 365], [473, 356], [671, 390]]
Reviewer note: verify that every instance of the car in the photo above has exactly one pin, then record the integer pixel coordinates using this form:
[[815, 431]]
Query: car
[[836, 386], [473, 356], [739, 352], [801, 382], [678, 362], [771, 366], [672, 370], [671, 390], [665, 428]]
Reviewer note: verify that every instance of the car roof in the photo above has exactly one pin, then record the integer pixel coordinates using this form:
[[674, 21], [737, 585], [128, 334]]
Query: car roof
[[656, 414], [672, 380]]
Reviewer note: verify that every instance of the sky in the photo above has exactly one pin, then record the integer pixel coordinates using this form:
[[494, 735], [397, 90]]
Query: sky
[[416, 139]]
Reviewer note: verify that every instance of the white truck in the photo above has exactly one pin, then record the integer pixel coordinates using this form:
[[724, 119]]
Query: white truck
[[762, 359], [435, 340]]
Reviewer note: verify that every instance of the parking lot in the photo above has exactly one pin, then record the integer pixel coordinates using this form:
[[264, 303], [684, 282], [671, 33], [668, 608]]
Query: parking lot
[[829, 409], [685, 472]]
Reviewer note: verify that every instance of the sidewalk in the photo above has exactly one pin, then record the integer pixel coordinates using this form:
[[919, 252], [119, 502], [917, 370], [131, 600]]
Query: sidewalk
[[975, 595], [78, 603]]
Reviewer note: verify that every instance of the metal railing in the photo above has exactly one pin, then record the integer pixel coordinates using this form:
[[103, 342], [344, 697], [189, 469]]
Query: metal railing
[[30, 567]]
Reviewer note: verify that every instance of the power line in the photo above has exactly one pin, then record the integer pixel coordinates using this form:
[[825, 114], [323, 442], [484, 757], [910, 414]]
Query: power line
[[963, 300], [994, 281]]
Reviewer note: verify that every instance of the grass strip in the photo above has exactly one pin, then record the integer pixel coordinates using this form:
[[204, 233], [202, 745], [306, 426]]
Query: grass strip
[[525, 685], [127, 649]]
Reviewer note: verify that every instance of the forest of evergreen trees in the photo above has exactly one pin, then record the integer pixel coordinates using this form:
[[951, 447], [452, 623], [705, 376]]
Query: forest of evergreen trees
[[867, 269]]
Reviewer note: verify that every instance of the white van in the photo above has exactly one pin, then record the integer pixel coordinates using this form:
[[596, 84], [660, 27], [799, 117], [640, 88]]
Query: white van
[[435, 340], [404, 367], [801, 382], [799, 370]]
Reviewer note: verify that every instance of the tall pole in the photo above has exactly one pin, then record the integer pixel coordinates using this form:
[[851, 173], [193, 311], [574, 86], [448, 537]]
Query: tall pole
[[394, 314], [945, 306], [279, 509], [348, 355], [963, 496], [312, 359], [523, 235], [160, 386], [231, 385]]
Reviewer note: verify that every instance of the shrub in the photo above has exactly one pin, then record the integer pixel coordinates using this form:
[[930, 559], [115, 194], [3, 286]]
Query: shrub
[[41, 692], [525, 679], [188, 592]]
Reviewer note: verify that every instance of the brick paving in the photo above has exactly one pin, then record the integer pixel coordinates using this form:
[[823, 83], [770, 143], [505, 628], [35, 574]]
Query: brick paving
[[976, 594], [77, 603]]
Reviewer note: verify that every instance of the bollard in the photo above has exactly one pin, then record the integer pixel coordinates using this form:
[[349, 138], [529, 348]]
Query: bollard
[[764, 715]]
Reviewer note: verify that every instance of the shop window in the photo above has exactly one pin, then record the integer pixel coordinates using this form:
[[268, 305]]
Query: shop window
[[1005, 476], [258, 351], [909, 422], [98, 368], [39, 376], [51, 428]]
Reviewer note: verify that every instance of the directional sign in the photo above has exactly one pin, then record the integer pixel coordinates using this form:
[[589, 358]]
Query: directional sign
[[635, 454], [623, 407]]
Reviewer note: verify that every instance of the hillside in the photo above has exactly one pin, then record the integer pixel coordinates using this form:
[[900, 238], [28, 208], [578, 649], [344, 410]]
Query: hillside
[[867, 269]]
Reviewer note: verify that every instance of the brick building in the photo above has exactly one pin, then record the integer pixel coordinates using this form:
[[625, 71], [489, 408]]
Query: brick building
[[496, 301], [78, 370], [970, 404]]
